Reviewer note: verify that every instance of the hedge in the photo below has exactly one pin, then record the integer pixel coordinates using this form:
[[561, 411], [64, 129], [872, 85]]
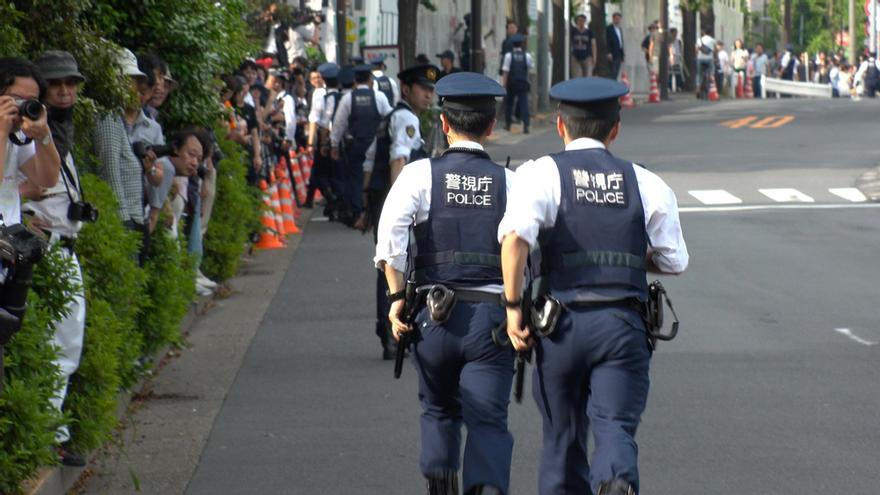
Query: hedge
[[131, 311]]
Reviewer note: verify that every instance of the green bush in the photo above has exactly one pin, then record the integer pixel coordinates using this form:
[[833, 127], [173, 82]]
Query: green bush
[[170, 289], [27, 420], [236, 214]]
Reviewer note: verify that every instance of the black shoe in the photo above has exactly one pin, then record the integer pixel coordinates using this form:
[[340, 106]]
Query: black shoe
[[525, 130], [308, 205], [443, 485], [483, 490], [617, 486], [68, 457], [506, 127]]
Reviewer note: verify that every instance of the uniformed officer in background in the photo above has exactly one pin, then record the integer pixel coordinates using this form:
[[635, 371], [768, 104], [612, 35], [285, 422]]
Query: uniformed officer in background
[[387, 85], [453, 205], [596, 225], [515, 77], [356, 122], [399, 142], [325, 168]]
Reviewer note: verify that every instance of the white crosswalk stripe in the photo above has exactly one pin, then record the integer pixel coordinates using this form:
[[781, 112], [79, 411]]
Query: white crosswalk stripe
[[786, 195], [849, 194], [715, 197]]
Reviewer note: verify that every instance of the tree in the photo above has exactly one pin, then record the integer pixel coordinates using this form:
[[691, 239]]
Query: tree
[[597, 26], [688, 38], [557, 45], [407, 20]]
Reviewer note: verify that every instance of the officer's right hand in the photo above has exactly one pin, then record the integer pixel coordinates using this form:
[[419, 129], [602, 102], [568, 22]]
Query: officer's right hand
[[519, 335], [397, 325], [334, 153]]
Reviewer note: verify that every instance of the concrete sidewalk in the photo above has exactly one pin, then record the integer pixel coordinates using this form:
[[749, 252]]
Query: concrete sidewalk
[[170, 418]]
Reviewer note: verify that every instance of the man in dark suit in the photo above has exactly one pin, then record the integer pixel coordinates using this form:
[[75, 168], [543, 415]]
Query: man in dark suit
[[614, 42]]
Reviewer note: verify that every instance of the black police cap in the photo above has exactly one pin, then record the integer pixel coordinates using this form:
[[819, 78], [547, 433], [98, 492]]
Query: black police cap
[[425, 74], [346, 75], [363, 68], [589, 97], [468, 91], [328, 70]]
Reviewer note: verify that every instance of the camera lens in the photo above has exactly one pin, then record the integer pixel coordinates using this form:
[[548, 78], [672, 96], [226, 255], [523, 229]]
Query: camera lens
[[30, 109]]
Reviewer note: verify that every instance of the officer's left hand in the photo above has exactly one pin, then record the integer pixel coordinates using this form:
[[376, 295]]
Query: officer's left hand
[[519, 336], [397, 325]]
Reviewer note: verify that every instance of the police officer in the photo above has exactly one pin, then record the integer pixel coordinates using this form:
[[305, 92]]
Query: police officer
[[515, 77], [596, 224], [455, 203], [357, 120], [383, 83], [326, 171], [399, 142]]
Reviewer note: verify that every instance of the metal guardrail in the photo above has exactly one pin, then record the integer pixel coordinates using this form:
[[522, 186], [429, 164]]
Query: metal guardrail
[[785, 87]]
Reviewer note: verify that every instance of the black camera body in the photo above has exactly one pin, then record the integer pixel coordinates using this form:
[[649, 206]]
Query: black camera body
[[20, 250], [141, 149], [82, 211], [30, 109], [20, 246]]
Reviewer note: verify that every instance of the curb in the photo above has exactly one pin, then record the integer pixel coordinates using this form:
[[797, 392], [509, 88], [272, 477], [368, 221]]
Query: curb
[[869, 183], [58, 480]]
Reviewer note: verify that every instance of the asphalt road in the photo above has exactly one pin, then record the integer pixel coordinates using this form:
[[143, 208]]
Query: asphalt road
[[771, 387]]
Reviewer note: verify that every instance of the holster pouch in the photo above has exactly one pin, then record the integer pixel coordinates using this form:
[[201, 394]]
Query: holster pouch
[[654, 312], [440, 301], [544, 314]]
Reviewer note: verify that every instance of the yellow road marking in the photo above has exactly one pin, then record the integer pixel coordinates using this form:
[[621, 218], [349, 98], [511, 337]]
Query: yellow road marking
[[775, 125], [736, 124], [751, 121]]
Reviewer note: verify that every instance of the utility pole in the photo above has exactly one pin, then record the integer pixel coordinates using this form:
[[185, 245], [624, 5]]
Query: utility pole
[[543, 52], [664, 50], [341, 56], [477, 61], [851, 52]]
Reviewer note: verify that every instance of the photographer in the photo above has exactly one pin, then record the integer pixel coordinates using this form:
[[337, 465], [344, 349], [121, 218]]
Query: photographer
[[119, 166], [29, 151], [59, 211]]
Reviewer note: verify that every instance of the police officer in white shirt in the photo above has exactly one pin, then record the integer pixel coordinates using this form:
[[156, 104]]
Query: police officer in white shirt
[[452, 205], [596, 226], [358, 115], [387, 85], [399, 142]]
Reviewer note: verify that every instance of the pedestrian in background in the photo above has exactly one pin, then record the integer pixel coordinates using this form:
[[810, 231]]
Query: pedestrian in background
[[722, 67], [614, 44], [740, 61], [676, 67], [705, 62], [583, 48], [760, 65]]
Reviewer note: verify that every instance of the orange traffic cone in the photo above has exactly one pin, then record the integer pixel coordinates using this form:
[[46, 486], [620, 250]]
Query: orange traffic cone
[[286, 199], [276, 204], [654, 95], [305, 165], [298, 179], [269, 235], [626, 101], [713, 90]]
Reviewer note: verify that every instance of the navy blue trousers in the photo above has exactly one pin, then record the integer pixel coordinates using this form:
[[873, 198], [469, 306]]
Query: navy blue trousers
[[591, 373], [464, 378], [383, 307], [354, 182], [520, 93]]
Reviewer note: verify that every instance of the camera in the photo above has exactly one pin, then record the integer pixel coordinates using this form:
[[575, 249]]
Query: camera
[[141, 149], [30, 109], [82, 211], [20, 249]]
